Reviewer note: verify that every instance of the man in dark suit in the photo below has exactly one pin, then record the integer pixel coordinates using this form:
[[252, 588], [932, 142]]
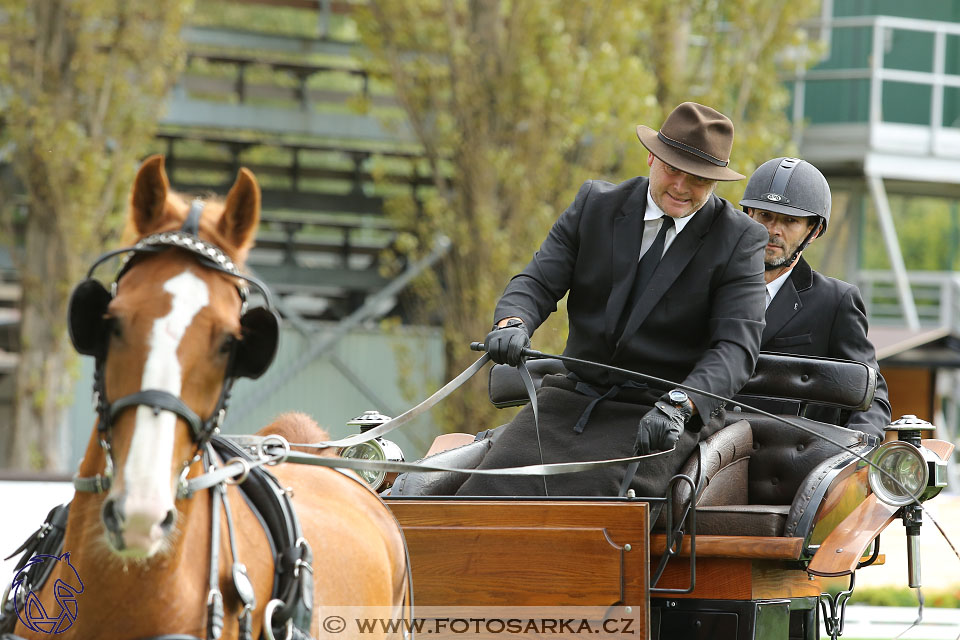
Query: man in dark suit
[[808, 313], [664, 278]]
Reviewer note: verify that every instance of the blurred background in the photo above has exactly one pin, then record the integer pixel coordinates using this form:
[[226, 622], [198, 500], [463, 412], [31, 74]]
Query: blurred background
[[413, 155]]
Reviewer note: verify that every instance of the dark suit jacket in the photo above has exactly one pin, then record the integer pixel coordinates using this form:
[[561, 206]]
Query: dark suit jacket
[[815, 315], [698, 321]]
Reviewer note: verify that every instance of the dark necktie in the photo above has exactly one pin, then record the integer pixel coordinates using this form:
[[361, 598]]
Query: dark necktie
[[645, 268], [650, 260]]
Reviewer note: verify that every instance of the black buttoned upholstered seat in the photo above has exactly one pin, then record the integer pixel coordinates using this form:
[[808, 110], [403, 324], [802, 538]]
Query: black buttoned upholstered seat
[[760, 477]]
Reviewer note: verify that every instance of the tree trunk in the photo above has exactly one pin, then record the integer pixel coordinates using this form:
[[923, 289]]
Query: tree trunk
[[80, 106], [44, 384]]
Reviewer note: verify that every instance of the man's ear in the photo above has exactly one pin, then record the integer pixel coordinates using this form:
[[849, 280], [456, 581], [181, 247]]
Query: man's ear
[[819, 231], [649, 159]]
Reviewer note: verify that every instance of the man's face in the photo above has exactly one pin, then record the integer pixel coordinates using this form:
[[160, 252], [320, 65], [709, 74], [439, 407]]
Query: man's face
[[678, 194], [786, 234]]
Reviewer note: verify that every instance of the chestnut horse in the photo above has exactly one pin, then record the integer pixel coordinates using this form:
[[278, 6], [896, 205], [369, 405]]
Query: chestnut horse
[[172, 333]]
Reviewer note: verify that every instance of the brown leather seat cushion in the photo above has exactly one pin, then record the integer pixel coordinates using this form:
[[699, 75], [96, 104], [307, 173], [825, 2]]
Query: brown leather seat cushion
[[722, 505], [726, 455]]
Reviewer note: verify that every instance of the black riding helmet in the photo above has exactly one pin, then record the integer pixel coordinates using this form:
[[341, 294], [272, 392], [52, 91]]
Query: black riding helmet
[[792, 187]]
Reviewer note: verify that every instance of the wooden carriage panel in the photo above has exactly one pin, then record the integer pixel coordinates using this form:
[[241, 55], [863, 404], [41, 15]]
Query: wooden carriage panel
[[716, 579], [526, 553], [737, 568], [737, 579], [499, 566]]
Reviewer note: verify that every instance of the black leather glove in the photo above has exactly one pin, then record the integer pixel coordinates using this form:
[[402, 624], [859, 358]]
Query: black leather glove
[[505, 345], [660, 429]]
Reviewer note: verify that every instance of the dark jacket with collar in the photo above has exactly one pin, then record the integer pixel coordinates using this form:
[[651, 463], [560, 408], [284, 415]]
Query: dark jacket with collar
[[819, 316], [698, 321]]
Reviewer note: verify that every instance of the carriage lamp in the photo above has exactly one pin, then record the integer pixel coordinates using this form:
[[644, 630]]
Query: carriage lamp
[[376, 449], [921, 475], [921, 472]]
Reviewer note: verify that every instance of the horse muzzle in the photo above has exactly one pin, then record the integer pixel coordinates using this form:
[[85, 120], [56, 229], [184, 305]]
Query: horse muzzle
[[136, 528]]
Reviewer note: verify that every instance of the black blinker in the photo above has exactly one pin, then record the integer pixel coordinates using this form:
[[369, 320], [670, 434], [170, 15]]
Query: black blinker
[[85, 317], [257, 347]]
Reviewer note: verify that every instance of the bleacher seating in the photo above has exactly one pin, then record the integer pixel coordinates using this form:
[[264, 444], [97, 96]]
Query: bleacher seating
[[285, 107]]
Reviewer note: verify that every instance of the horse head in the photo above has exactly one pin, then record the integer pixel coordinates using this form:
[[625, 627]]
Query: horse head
[[169, 339]]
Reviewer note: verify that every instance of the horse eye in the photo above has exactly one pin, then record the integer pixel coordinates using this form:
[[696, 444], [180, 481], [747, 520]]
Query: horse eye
[[226, 345], [114, 327]]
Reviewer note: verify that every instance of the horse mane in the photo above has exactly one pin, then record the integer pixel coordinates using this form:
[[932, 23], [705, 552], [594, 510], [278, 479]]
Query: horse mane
[[175, 212], [299, 427]]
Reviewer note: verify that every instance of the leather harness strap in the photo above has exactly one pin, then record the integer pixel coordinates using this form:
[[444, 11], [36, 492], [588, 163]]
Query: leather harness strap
[[160, 401], [214, 596], [293, 585]]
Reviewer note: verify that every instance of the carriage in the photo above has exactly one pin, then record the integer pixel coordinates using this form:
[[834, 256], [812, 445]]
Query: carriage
[[777, 507], [205, 536]]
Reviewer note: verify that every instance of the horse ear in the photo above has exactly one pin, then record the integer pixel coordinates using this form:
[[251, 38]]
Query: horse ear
[[260, 337], [241, 213], [149, 195]]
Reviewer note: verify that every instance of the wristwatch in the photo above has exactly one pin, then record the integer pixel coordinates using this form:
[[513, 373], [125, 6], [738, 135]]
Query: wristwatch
[[678, 397], [512, 322]]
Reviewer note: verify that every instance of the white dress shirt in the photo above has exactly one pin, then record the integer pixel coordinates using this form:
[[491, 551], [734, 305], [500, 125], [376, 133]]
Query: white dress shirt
[[651, 225], [774, 287]]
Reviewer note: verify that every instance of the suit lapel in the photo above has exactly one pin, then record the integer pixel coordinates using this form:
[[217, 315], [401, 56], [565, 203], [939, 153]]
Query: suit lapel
[[787, 303], [674, 261], [625, 253]]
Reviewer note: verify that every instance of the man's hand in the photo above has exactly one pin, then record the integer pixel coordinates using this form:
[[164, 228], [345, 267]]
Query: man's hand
[[506, 344], [660, 429]]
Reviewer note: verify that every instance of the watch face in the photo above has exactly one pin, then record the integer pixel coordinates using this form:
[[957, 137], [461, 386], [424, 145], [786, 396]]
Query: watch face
[[678, 397]]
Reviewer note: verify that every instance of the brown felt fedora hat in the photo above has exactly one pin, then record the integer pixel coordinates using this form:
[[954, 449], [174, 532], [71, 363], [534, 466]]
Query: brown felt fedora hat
[[694, 138]]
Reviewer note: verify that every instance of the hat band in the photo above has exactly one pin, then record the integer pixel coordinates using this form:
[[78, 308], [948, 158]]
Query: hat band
[[685, 147]]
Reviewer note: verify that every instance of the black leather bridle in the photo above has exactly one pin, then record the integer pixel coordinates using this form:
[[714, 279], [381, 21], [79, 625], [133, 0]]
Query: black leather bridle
[[88, 331]]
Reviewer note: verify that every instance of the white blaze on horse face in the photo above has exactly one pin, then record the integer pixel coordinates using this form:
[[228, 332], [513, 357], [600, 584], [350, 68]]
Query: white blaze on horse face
[[148, 480]]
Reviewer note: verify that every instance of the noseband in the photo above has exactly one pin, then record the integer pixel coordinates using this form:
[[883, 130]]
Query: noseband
[[249, 357]]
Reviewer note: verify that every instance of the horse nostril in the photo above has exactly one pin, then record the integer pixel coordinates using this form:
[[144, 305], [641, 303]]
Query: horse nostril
[[112, 515], [167, 525]]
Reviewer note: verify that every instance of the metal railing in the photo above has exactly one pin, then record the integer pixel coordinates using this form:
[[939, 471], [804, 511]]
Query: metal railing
[[936, 293], [869, 60]]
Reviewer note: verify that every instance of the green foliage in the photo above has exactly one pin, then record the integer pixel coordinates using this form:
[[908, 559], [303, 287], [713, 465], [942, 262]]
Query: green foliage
[[927, 229], [515, 104], [83, 84], [82, 87], [901, 596]]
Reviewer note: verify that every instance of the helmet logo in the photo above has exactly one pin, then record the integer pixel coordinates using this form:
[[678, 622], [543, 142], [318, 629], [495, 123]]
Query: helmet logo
[[775, 197]]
